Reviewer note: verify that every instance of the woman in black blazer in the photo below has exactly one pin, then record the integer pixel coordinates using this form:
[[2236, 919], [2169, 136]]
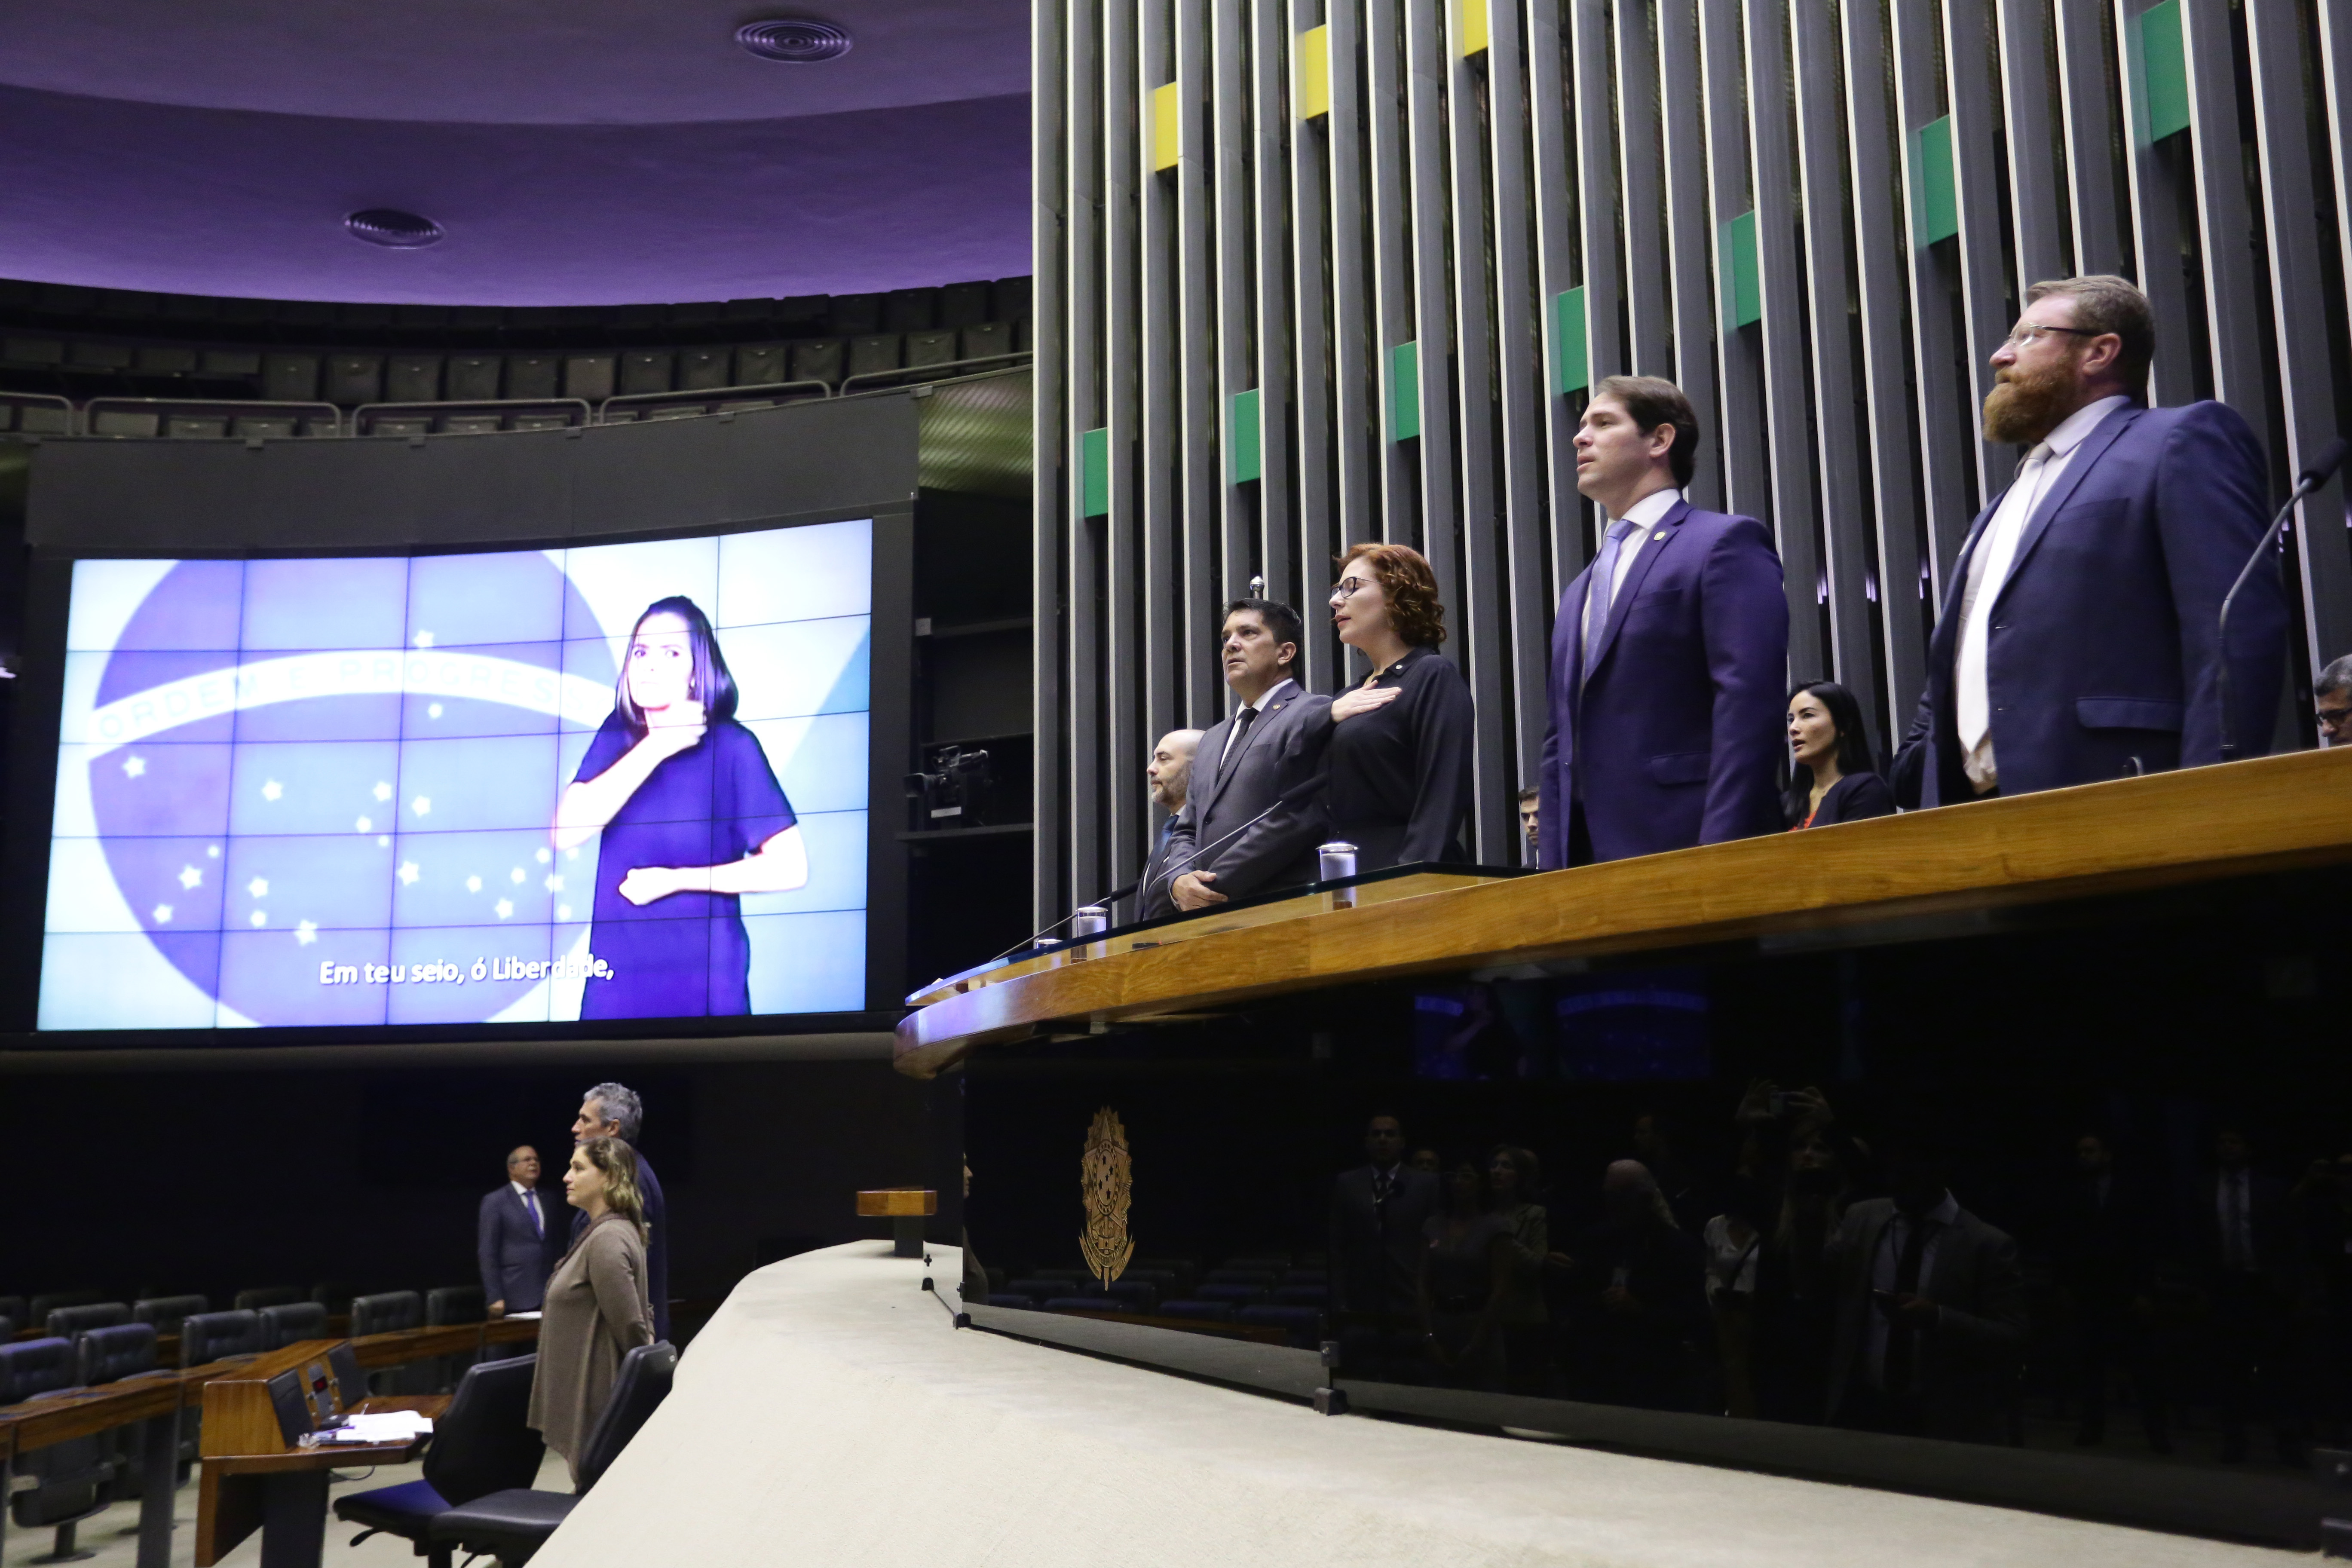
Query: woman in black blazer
[[1830, 774]]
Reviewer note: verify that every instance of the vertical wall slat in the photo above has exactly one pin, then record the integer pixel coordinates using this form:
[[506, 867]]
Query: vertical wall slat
[[1056, 492], [1270, 226], [1313, 192], [1984, 284], [2156, 222], [2233, 323], [1204, 683], [1683, 143], [1597, 205], [1229, 159], [1948, 449], [1723, 68], [1082, 289], [1355, 346], [2031, 139], [1156, 426], [1649, 350], [1555, 169], [1435, 451], [1130, 812], [2086, 99]]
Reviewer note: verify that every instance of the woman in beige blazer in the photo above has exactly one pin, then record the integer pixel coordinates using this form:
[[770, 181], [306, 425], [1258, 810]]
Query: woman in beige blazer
[[597, 1309]]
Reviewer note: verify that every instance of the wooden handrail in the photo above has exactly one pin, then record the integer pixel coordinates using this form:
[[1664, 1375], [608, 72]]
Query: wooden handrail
[[2199, 824]]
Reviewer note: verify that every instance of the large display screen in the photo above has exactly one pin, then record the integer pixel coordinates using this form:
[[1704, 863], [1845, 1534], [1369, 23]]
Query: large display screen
[[625, 781]]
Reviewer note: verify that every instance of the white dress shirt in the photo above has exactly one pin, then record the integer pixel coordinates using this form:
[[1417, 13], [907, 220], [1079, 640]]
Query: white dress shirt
[[1988, 567], [1646, 513], [1233, 733], [1889, 1263]]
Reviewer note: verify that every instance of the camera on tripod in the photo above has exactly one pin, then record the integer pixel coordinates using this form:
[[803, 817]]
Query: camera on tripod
[[954, 787]]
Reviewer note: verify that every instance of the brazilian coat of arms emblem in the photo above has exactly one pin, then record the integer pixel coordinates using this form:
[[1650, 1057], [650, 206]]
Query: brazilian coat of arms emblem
[[1106, 1182]]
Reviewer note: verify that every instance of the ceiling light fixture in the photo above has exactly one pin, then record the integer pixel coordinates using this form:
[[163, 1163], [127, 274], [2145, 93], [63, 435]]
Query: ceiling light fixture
[[391, 227], [795, 40]]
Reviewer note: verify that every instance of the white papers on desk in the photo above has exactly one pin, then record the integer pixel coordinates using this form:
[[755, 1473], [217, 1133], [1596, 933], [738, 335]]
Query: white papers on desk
[[391, 1427], [534, 1316]]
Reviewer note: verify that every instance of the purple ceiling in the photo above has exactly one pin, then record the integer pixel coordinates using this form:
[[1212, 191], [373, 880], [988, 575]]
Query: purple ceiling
[[594, 152]]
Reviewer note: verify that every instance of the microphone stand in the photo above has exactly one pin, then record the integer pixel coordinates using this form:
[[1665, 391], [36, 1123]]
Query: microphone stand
[[2320, 470], [1292, 796]]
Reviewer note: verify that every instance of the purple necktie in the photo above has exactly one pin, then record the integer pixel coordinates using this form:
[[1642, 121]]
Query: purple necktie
[[1601, 587]]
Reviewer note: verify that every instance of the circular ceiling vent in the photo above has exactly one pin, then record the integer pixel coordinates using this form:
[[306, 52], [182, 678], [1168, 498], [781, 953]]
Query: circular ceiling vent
[[793, 40], [391, 227]]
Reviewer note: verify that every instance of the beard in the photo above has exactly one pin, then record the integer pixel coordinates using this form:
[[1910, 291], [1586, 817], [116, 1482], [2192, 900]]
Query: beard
[[2025, 406]]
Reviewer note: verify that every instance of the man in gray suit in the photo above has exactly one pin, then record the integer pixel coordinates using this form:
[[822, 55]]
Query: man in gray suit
[[1171, 777], [1930, 1310], [511, 1238], [1244, 764]]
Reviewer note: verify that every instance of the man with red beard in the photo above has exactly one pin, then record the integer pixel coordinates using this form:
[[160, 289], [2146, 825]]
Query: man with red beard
[[2077, 641]]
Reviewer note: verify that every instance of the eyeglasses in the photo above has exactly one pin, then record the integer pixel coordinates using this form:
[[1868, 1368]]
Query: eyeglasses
[[2030, 332], [2335, 718], [1348, 587]]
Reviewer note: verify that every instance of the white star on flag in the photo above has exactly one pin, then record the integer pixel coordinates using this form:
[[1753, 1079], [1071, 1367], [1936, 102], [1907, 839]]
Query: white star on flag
[[425, 639], [554, 883], [212, 851], [260, 918], [544, 857], [162, 914], [505, 908], [516, 876], [563, 911], [421, 806], [473, 884], [409, 873], [382, 792], [133, 766], [307, 933], [189, 877], [434, 712], [363, 825], [258, 888], [272, 790]]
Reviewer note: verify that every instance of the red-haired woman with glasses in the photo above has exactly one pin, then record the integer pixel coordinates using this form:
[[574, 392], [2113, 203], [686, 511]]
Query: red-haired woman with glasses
[[1397, 747]]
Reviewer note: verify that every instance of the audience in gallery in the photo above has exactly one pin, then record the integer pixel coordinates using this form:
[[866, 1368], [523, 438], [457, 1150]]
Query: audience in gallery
[[1240, 831], [1378, 1213], [2331, 700], [1396, 747], [614, 1110], [1831, 778], [597, 1308]]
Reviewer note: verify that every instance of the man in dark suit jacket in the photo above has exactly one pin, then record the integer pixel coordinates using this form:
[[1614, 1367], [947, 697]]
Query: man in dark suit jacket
[[512, 1238], [614, 1111], [2077, 641], [1171, 776], [1243, 765], [1377, 1211], [1930, 1311], [1670, 653], [2250, 1264]]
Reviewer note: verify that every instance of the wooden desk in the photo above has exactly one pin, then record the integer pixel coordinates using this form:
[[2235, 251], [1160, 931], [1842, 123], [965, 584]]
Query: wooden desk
[[1862, 879]]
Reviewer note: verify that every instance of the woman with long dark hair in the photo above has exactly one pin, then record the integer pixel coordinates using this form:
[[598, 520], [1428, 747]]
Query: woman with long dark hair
[[692, 820], [1830, 775]]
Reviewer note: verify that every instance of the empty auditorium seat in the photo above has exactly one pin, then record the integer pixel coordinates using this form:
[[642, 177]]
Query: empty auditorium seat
[[1207, 1311], [13, 1309], [1301, 1326], [71, 1479], [354, 378], [231, 362], [962, 305], [262, 1296], [262, 427], [468, 423], [48, 1301], [333, 1295], [532, 375], [116, 1351], [1023, 338], [589, 377], [983, 339], [645, 371], [704, 370], [33, 350], [850, 314], [166, 1312], [288, 1321], [385, 1311], [471, 378], [411, 378], [874, 352], [816, 361], [515, 1523], [758, 364], [480, 1444], [220, 1336], [454, 1304], [738, 404], [166, 359], [931, 348], [67, 1323], [290, 378], [199, 426], [1301, 1296], [1042, 1289], [1239, 1295], [125, 422], [92, 355], [541, 422], [1009, 300], [676, 411], [400, 425], [1264, 1279]]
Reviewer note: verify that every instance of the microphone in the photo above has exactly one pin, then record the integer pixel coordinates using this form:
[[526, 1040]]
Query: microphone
[[2316, 473], [1290, 796]]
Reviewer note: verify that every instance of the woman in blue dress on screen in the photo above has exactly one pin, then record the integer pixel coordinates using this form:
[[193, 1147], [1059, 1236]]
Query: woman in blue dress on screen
[[693, 819]]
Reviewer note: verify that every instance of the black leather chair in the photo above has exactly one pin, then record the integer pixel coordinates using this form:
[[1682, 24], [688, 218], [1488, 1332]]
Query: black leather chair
[[220, 1336], [50, 1301], [125, 1352], [167, 1312], [15, 1309], [454, 1304], [113, 1351], [333, 1295], [480, 1445], [72, 1322], [284, 1324], [512, 1525], [381, 1314], [267, 1296], [72, 1480]]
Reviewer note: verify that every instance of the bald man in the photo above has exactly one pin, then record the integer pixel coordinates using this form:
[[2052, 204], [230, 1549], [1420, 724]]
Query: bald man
[[1171, 777], [515, 1237]]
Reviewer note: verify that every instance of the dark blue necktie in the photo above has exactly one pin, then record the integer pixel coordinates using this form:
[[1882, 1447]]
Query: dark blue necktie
[[1600, 588], [531, 1202]]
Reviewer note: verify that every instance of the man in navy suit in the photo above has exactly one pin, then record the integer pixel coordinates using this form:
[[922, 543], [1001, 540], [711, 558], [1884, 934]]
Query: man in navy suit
[[2078, 641], [511, 1238], [1670, 653]]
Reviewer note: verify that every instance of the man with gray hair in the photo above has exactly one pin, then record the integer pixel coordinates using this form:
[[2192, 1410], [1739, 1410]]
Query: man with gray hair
[[614, 1111], [2331, 698]]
